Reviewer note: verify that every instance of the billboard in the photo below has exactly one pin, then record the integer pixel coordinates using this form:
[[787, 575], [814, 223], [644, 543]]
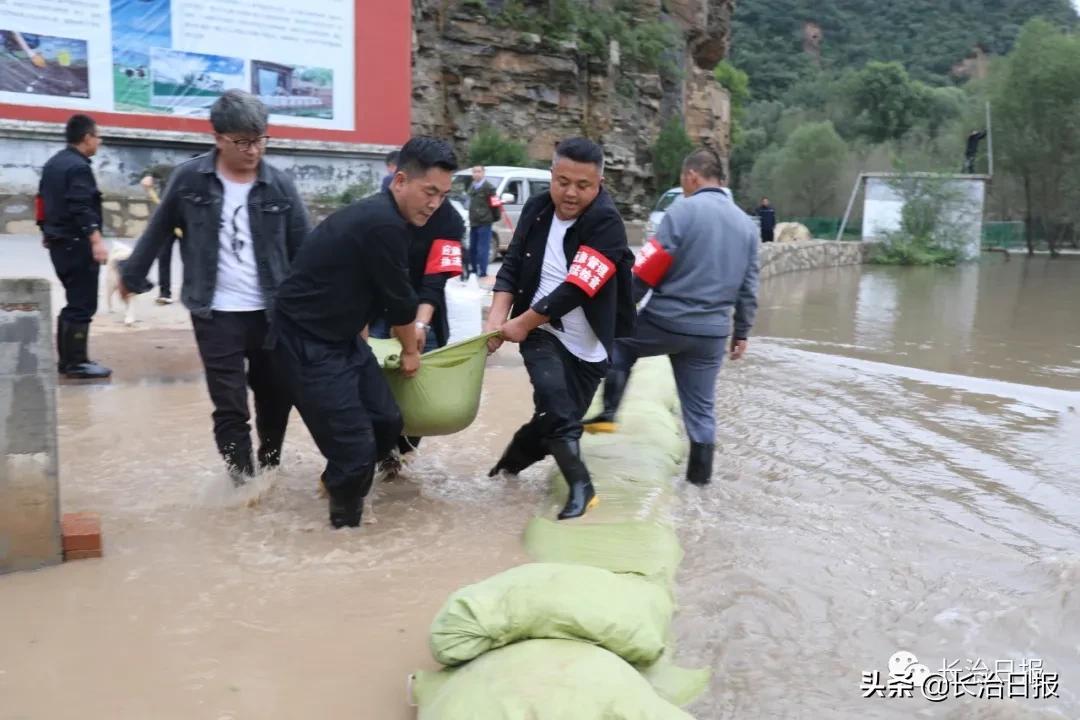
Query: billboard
[[308, 60]]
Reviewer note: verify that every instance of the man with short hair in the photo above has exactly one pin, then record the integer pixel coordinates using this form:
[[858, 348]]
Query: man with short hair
[[69, 214], [483, 206], [767, 215], [355, 266], [702, 263], [391, 169], [242, 223], [565, 284], [434, 257]]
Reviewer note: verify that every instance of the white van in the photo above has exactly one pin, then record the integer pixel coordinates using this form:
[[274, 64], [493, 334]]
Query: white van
[[663, 204], [513, 185]]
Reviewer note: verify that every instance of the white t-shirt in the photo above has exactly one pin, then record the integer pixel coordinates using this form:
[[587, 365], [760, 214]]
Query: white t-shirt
[[577, 335], [238, 288]]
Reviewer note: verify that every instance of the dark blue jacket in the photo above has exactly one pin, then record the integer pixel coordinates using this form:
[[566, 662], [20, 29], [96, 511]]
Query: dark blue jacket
[[70, 195]]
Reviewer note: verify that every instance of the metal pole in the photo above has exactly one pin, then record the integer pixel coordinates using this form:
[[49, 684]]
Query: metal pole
[[850, 204], [989, 142]]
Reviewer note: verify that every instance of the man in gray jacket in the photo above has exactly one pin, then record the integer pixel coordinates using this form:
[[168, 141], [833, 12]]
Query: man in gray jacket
[[242, 223], [702, 263]]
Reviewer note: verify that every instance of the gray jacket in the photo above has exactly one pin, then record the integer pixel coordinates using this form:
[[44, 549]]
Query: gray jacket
[[192, 203], [713, 247]]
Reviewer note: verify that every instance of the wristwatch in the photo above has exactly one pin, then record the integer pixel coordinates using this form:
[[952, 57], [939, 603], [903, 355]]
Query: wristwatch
[[422, 326]]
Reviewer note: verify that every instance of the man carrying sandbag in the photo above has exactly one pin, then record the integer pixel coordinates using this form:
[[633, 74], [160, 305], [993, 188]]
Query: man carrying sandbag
[[435, 255], [702, 263], [355, 265], [566, 285]]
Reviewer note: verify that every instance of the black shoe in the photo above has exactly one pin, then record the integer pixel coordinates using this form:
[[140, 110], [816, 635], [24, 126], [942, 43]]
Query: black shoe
[[73, 361], [614, 387], [582, 494], [269, 456], [238, 463], [699, 467], [346, 509]]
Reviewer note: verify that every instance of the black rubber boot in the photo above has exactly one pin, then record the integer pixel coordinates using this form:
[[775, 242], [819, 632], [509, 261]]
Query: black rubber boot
[[75, 362], [614, 387], [699, 467], [61, 356], [347, 504], [582, 495]]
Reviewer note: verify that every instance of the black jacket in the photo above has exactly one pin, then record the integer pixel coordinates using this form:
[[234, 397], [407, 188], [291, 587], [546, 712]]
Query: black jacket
[[353, 267], [192, 202], [480, 212], [768, 217], [610, 312], [70, 195], [427, 281]]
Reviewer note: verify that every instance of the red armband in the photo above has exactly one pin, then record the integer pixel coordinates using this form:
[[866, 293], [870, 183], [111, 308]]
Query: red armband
[[652, 263], [494, 202], [445, 257], [39, 210], [590, 270]]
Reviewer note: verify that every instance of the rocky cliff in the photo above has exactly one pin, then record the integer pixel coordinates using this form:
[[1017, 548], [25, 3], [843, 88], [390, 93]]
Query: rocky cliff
[[473, 68]]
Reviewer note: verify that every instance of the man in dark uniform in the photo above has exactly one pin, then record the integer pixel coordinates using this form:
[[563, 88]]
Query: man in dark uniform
[[435, 255], [767, 214], [354, 266], [566, 285], [69, 213]]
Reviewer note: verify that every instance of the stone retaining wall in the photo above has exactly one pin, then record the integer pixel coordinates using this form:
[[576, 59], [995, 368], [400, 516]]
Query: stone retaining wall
[[780, 258]]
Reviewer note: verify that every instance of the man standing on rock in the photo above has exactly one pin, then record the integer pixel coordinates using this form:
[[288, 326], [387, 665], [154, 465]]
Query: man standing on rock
[[767, 214], [69, 213], [702, 262], [242, 223], [483, 206], [354, 268], [565, 284]]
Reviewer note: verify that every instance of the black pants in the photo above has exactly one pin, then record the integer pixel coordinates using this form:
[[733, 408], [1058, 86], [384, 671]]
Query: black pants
[[164, 268], [345, 401], [767, 234], [74, 264], [233, 350], [563, 388]]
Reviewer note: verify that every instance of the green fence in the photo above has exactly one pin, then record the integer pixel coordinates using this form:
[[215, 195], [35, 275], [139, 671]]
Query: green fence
[[1006, 234]]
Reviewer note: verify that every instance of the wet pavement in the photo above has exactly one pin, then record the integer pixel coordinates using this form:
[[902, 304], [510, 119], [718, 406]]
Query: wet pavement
[[896, 471]]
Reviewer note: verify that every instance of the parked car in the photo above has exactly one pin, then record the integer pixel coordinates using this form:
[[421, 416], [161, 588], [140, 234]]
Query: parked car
[[663, 204], [513, 186]]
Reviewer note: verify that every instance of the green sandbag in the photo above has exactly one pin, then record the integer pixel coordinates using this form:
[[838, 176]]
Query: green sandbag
[[621, 613], [644, 548], [542, 680], [444, 396]]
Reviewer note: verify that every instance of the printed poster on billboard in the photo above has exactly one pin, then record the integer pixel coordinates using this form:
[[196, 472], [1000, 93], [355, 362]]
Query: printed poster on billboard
[[175, 57]]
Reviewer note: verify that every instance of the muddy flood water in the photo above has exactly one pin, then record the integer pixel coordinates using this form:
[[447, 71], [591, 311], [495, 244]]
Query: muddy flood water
[[897, 470]]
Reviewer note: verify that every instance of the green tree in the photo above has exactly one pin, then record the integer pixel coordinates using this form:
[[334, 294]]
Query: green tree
[[671, 147], [808, 170], [491, 147], [1036, 100], [888, 102]]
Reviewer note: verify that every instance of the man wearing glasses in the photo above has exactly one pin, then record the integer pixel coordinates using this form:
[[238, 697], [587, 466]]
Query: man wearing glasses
[[242, 222]]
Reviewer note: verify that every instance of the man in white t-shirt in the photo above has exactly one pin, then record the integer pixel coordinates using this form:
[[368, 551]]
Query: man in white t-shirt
[[565, 284], [242, 223]]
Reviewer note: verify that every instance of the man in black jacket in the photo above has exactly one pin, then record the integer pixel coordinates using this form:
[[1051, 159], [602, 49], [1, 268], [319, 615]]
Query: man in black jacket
[[565, 283], [767, 215], [242, 223], [354, 266], [69, 214], [435, 255]]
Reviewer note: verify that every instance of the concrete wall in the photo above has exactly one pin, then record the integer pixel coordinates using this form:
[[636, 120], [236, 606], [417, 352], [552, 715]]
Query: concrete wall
[[778, 258], [29, 489], [318, 168]]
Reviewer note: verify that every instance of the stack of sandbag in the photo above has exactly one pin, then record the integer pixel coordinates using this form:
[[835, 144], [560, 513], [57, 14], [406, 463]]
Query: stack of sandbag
[[585, 632]]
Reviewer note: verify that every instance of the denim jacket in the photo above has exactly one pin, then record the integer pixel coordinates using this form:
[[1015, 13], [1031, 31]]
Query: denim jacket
[[192, 203]]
